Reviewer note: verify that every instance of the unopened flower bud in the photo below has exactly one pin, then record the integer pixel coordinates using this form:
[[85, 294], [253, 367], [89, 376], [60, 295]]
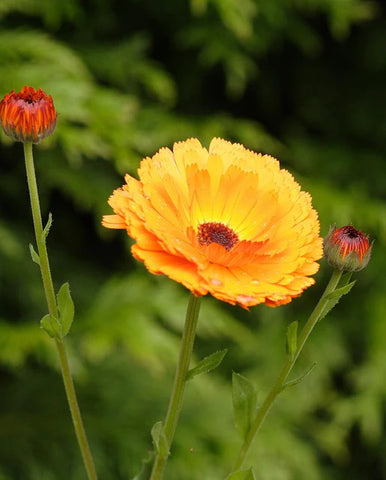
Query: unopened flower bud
[[28, 116], [346, 248]]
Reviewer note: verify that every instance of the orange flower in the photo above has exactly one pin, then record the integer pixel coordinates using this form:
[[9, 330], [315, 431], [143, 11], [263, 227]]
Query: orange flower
[[346, 248], [225, 221], [28, 116]]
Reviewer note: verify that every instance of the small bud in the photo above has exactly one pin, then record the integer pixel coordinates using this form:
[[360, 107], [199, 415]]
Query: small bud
[[28, 116], [347, 248]]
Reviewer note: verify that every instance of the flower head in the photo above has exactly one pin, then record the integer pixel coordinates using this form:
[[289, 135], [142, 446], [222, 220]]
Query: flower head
[[225, 221], [28, 116], [346, 248]]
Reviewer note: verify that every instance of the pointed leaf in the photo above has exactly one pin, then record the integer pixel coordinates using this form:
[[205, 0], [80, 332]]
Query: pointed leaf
[[242, 475], [66, 308], [51, 325], [292, 339], [334, 297], [207, 364], [292, 383], [46, 230], [34, 255], [159, 439], [244, 397], [339, 292]]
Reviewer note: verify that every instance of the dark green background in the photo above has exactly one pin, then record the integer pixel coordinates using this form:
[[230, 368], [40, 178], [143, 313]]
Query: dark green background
[[303, 80]]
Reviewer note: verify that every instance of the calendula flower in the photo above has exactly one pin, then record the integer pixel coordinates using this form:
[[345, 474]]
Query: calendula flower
[[346, 248], [225, 221], [28, 116]]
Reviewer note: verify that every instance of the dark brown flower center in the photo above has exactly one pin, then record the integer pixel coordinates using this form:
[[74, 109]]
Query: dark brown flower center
[[351, 231], [215, 232]]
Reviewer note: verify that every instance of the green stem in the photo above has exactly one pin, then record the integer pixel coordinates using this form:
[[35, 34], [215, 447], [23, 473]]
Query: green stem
[[175, 403], [53, 310], [278, 386]]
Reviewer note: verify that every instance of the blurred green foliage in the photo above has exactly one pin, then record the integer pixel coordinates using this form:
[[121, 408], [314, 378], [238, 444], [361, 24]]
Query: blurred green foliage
[[303, 80]]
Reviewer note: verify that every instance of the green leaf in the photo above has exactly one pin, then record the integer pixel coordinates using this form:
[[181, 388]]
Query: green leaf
[[292, 339], [159, 439], [51, 325], [244, 397], [66, 308], [334, 297], [292, 383], [339, 292], [35, 257], [242, 475], [46, 230], [207, 364]]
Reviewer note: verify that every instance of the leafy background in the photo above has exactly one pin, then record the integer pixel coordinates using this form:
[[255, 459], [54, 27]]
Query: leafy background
[[303, 80]]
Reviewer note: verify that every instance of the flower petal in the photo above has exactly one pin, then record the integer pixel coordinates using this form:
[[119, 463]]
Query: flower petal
[[225, 221]]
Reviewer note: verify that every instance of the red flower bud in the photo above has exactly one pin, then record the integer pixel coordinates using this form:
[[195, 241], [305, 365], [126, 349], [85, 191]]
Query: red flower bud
[[347, 248], [28, 116]]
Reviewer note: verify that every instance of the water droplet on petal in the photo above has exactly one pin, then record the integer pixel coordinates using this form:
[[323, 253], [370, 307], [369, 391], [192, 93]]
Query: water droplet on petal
[[216, 281]]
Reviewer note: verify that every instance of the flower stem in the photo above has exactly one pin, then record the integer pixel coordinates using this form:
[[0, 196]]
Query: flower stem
[[175, 403], [287, 368], [53, 310]]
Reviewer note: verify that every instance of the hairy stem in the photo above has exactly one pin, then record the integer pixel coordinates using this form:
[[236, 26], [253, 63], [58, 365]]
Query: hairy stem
[[286, 370], [53, 310], [175, 403]]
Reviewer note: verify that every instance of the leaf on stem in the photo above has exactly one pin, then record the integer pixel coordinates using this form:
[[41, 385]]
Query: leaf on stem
[[51, 325], [66, 308], [35, 257], [334, 297], [292, 383], [292, 339], [46, 230], [207, 364], [159, 439], [242, 475], [244, 397]]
